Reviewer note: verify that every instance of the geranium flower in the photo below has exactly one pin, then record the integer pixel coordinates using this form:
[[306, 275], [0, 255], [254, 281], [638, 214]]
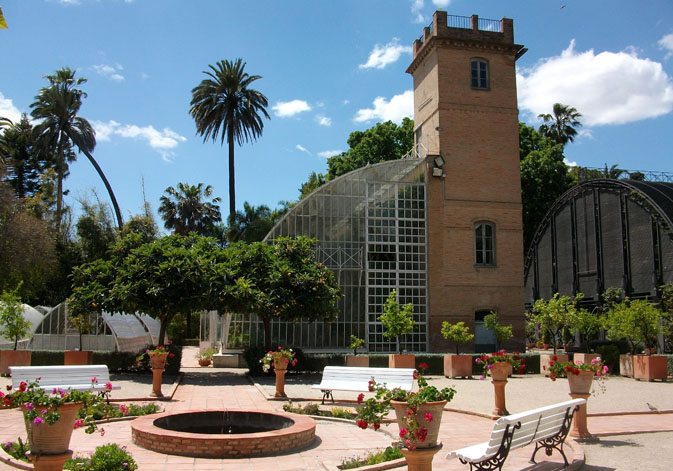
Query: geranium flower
[[403, 432], [38, 420], [78, 423], [108, 386], [428, 417], [22, 386], [362, 424], [361, 397], [377, 425]]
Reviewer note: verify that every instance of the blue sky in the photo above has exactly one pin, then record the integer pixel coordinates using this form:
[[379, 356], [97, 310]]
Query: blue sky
[[329, 68]]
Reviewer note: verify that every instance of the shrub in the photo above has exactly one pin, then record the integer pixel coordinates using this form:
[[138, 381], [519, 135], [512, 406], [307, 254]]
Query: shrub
[[308, 409], [110, 457], [17, 449], [389, 454], [610, 356]]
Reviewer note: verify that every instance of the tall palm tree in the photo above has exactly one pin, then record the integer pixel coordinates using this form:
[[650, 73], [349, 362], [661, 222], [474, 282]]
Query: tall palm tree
[[224, 105], [184, 209], [560, 125], [60, 129]]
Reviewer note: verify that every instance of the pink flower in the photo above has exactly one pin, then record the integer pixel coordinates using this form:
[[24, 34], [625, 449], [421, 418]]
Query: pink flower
[[78, 423], [428, 417], [403, 432], [29, 406], [94, 380], [360, 398], [108, 386], [37, 420], [102, 432], [490, 367]]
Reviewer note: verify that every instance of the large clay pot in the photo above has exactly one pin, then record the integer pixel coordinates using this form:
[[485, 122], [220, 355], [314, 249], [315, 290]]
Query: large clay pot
[[581, 383], [458, 366], [626, 365], [584, 357], [500, 370], [13, 358], [401, 361], [52, 439], [650, 367], [434, 408], [357, 360], [78, 357], [158, 364], [158, 361]]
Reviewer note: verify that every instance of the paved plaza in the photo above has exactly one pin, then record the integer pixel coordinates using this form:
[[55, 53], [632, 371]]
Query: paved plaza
[[631, 435]]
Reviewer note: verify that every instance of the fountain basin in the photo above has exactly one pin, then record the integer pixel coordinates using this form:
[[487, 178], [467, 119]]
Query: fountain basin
[[224, 433]]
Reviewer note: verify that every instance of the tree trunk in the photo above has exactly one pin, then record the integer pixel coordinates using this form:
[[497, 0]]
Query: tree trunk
[[267, 333], [162, 330], [120, 221], [16, 343], [232, 180], [188, 330]]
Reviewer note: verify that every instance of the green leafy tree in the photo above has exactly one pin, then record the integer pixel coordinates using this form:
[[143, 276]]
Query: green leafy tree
[[315, 181], [556, 314], [13, 326], [588, 325], [16, 150], [252, 224], [356, 342], [458, 333], [95, 230], [561, 123], [637, 321], [396, 321], [184, 210], [501, 332], [224, 105], [56, 107]]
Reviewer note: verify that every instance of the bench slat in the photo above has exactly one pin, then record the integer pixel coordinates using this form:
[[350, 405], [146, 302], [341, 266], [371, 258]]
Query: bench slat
[[346, 378], [65, 377]]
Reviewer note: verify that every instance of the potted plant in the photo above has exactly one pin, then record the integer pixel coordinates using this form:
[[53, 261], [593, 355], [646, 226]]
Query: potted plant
[[280, 360], [14, 327], [205, 356], [51, 417], [354, 359], [79, 356], [501, 332], [457, 365], [158, 356], [500, 365], [639, 322], [553, 316], [396, 322], [419, 413], [588, 324]]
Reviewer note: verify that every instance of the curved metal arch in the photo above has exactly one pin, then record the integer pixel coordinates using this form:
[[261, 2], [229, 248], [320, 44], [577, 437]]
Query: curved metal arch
[[635, 186]]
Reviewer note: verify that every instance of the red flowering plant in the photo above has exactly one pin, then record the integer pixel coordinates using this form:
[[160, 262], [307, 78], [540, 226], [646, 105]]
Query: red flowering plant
[[278, 357], [40, 406], [158, 350], [373, 410], [515, 359], [560, 369]]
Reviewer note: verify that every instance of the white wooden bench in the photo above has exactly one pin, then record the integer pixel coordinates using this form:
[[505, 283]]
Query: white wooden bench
[[350, 378], [74, 377], [547, 427]]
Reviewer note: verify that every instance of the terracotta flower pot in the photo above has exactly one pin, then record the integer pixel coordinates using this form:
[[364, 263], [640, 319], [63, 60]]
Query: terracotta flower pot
[[626, 365], [456, 366], [434, 408], [581, 383], [158, 361], [584, 357], [280, 369], [650, 367], [500, 370], [78, 357], [52, 439], [204, 362], [13, 358], [357, 360], [401, 361]]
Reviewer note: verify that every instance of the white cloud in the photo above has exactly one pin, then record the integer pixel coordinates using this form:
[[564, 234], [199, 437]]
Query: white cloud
[[162, 141], [303, 149], [323, 120], [441, 3], [416, 7], [666, 43], [286, 109], [8, 110], [381, 56], [110, 72], [569, 163], [326, 154], [399, 107], [607, 88]]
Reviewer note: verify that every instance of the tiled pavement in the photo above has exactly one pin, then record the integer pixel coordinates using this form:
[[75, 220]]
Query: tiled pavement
[[210, 389]]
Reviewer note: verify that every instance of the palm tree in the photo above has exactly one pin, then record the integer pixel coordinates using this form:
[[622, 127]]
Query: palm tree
[[561, 125], [183, 209], [224, 105], [59, 129], [250, 225]]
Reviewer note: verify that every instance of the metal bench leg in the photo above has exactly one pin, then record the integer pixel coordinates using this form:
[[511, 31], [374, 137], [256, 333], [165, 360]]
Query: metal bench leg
[[556, 442], [327, 393], [497, 460]]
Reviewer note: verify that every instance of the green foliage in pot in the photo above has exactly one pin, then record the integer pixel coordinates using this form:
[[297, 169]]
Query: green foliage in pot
[[13, 326], [396, 321], [356, 342], [458, 333], [501, 332], [637, 321], [556, 314]]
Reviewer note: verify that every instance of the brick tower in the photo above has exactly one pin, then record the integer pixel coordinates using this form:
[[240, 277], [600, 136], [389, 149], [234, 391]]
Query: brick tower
[[466, 118]]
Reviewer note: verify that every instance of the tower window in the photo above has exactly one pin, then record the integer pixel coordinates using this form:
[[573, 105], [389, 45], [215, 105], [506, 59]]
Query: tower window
[[479, 73], [484, 243]]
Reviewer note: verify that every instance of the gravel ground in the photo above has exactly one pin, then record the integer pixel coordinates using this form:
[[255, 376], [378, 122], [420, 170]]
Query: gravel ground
[[642, 452]]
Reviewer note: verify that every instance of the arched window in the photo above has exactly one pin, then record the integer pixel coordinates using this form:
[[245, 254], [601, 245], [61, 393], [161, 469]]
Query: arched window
[[479, 73], [484, 243]]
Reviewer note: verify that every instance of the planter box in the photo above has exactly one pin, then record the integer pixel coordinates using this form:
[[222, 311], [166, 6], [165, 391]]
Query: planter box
[[584, 357], [401, 361], [458, 366], [626, 365], [77, 357], [650, 367], [357, 360], [13, 358], [545, 358], [225, 360]]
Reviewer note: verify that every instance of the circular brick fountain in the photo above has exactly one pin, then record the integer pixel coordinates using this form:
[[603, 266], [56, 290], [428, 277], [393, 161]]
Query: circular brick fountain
[[227, 433]]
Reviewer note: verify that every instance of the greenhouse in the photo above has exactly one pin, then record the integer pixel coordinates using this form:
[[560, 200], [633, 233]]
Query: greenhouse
[[370, 230]]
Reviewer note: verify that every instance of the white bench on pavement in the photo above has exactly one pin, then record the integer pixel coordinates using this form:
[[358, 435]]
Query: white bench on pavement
[[352, 378], [547, 427], [73, 377]]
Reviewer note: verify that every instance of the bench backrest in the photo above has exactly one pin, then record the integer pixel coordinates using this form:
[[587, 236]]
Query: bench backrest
[[536, 424], [71, 376], [402, 378]]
